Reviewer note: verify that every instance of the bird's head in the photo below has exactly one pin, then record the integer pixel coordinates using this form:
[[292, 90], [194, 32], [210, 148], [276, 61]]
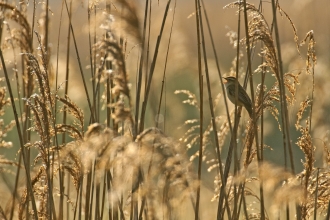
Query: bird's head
[[229, 79]]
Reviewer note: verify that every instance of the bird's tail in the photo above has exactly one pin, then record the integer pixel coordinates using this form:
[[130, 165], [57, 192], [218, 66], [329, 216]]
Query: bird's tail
[[249, 110]]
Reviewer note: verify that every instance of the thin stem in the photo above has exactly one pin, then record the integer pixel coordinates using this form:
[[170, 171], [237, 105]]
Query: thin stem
[[234, 134], [218, 69], [200, 80], [80, 68], [214, 125], [139, 80], [285, 117], [152, 68], [91, 61], [163, 80], [61, 173], [27, 173], [254, 118], [316, 193], [221, 172]]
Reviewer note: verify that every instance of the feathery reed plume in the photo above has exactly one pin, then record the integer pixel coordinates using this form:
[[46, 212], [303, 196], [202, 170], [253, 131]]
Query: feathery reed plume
[[161, 159], [129, 21], [5, 128], [109, 49], [268, 102], [191, 137], [305, 179], [321, 183], [259, 30], [311, 55], [37, 177], [21, 36]]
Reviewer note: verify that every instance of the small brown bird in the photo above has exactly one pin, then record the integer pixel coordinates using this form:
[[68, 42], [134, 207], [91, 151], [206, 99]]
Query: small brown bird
[[243, 97]]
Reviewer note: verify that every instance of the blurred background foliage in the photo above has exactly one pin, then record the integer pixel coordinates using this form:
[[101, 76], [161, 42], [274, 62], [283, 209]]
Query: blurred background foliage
[[181, 72], [181, 68]]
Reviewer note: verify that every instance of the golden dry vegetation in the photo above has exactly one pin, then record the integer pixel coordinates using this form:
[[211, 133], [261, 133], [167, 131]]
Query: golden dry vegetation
[[117, 110]]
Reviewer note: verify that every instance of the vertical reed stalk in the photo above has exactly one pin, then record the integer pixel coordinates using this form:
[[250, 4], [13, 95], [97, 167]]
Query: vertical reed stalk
[[61, 171], [80, 68], [139, 80], [164, 72], [284, 109], [19, 132], [201, 112], [234, 134], [152, 68], [254, 118], [218, 151]]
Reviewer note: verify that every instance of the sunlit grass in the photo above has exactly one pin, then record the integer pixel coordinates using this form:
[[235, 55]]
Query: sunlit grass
[[96, 135]]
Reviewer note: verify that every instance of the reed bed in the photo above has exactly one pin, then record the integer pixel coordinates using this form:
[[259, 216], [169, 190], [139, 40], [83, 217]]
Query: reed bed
[[89, 114]]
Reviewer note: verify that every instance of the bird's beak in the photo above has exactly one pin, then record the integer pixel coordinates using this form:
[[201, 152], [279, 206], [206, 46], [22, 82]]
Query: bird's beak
[[224, 80]]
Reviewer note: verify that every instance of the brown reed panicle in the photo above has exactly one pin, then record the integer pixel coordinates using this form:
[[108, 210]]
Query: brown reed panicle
[[113, 52], [206, 141], [167, 157], [191, 136], [70, 160], [39, 176], [249, 192], [307, 176], [289, 190], [67, 157], [280, 185], [267, 102], [77, 130], [318, 183], [192, 100], [162, 160], [326, 151], [128, 20], [110, 50], [5, 128], [306, 144], [22, 36], [42, 104], [260, 31], [311, 53], [5, 164]]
